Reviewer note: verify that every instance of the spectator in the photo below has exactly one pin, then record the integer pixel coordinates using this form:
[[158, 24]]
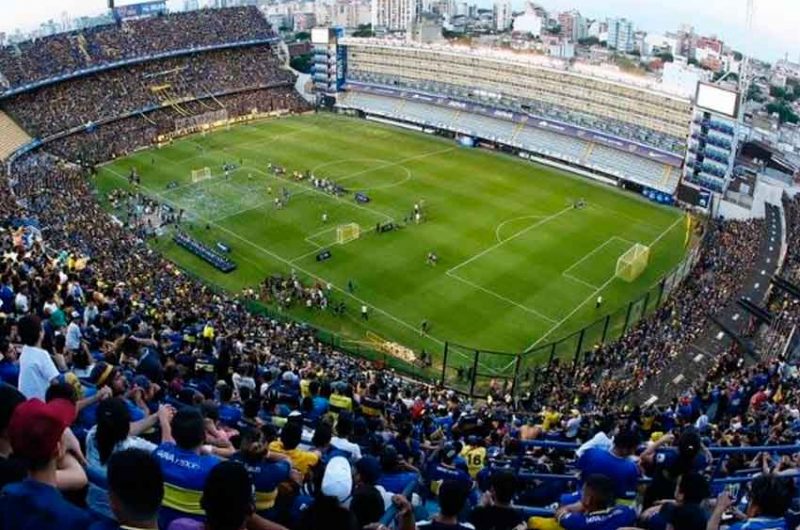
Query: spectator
[[595, 510], [37, 369], [12, 469], [291, 435], [135, 491], [35, 432], [186, 464], [495, 511], [615, 464], [111, 434], [770, 498]]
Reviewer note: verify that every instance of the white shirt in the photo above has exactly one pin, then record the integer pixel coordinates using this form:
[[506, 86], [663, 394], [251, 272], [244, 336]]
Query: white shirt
[[36, 371], [21, 303], [344, 444], [73, 337]]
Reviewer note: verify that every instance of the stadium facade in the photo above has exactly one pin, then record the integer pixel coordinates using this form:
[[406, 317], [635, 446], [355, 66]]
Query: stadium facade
[[629, 130]]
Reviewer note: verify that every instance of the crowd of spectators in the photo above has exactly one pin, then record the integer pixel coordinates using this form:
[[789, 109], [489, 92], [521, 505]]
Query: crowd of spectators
[[613, 371], [118, 138], [145, 369], [63, 53], [135, 396], [121, 91]]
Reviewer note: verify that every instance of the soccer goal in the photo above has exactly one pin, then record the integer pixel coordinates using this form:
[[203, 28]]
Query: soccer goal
[[633, 262], [201, 174], [348, 232]]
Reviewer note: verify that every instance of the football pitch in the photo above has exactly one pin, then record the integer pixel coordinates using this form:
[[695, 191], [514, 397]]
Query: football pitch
[[518, 264]]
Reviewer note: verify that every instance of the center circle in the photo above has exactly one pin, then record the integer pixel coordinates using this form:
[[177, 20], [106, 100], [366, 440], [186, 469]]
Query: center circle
[[363, 174]]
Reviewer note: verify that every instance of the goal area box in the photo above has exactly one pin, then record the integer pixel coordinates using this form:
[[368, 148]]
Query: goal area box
[[633, 262], [201, 174], [347, 232]]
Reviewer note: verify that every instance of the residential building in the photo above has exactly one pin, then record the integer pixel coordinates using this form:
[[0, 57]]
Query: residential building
[[620, 34], [573, 25], [502, 15], [394, 15]]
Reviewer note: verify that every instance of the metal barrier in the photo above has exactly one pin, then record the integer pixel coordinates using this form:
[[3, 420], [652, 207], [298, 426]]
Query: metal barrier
[[391, 513]]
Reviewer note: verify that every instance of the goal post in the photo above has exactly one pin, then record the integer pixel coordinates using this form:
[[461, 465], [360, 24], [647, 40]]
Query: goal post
[[347, 232], [201, 174], [633, 262]]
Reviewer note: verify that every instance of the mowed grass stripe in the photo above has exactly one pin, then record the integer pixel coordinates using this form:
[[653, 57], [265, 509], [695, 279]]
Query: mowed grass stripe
[[467, 194]]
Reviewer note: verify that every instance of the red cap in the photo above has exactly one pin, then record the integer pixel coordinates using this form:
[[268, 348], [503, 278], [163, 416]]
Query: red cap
[[36, 427]]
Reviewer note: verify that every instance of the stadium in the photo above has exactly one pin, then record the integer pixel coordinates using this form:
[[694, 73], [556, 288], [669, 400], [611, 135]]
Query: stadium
[[424, 282]]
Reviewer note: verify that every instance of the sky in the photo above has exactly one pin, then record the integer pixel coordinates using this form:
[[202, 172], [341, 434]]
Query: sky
[[776, 25]]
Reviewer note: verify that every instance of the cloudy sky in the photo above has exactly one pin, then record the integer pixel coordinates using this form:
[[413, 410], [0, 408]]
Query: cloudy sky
[[776, 23]]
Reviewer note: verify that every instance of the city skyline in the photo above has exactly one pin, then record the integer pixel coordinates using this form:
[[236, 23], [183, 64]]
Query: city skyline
[[774, 26]]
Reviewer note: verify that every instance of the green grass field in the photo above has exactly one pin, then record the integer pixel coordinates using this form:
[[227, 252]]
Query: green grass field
[[518, 265]]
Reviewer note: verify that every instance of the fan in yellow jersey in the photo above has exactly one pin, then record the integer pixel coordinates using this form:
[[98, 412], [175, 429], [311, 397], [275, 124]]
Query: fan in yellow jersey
[[475, 455]]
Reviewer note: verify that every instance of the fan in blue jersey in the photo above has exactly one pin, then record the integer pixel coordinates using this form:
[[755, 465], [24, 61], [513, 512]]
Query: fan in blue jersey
[[595, 511], [770, 498]]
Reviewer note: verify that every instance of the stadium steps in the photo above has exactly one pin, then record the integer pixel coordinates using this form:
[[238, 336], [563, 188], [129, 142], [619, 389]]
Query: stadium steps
[[12, 137], [147, 119], [667, 175], [517, 130], [587, 152], [82, 47]]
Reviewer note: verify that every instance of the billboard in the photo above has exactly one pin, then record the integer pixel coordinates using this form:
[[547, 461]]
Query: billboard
[[714, 98], [320, 36], [143, 9]]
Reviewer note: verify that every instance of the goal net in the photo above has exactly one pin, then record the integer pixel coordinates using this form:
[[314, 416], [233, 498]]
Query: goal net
[[633, 262], [348, 232], [201, 174]]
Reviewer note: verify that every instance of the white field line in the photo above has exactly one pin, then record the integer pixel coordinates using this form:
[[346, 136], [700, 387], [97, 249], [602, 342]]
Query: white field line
[[502, 224], [514, 236], [500, 297], [288, 263], [592, 252], [596, 292]]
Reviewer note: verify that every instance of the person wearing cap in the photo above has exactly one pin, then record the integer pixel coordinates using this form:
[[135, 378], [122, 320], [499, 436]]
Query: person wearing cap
[[36, 368], [35, 432], [135, 491], [74, 336], [185, 466]]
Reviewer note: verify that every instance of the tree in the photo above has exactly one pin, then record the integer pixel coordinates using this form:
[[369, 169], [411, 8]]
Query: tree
[[693, 62], [754, 94], [737, 56], [302, 35], [777, 92], [302, 63], [554, 30], [784, 112], [666, 57], [364, 30], [589, 41]]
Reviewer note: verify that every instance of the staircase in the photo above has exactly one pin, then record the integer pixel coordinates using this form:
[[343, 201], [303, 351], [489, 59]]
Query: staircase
[[12, 137], [587, 152]]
